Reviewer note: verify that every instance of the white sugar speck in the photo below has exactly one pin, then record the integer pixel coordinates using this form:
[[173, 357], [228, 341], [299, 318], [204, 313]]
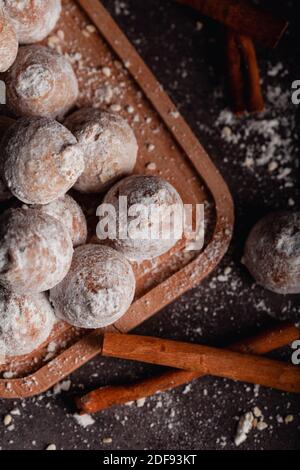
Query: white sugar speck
[[84, 420]]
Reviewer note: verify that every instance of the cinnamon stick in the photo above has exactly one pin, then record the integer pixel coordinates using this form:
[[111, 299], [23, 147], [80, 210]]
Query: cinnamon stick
[[235, 72], [254, 95], [105, 397], [243, 74], [211, 361], [244, 17]]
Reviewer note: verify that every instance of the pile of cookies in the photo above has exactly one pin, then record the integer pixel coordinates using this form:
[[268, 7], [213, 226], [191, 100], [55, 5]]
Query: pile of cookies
[[47, 269]]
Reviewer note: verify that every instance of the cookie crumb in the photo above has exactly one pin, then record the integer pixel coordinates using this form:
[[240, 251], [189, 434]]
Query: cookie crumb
[[91, 28], [244, 427], [107, 440], [174, 114], [63, 386], [151, 166], [84, 420], [115, 108], [257, 412], [106, 71], [150, 147], [272, 166], [51, 447], [261, 426], [289, 419], [130, 109], [140, 402], [60, 34], [7, 420]]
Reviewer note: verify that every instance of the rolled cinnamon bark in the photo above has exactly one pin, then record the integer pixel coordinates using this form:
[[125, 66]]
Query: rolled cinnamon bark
[[105, 397]]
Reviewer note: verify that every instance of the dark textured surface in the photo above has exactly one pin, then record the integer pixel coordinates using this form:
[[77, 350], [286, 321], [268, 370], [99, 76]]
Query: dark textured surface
[[188, 62]]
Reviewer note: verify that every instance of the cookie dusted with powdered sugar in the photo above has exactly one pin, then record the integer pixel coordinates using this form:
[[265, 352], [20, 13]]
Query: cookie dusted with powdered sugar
[[109, 147], [153, 222], [98, 289], [8, 43], [68, 212], [40, 160], [272, 252], [25, 322], [35, 251], [41, 82], [32, 20]]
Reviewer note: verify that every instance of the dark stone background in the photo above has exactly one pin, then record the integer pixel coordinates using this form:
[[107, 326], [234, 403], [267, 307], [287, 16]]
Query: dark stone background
[[189, 64]]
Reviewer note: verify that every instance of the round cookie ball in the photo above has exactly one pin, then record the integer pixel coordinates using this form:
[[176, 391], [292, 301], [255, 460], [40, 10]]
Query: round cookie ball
[[40, 83], [70, 214], [98, 289], [272, 252], [5, 123], [8, 44], [109, 146], [35, 251], [25, 322], [40, 161], [154, 220], [32, 20]]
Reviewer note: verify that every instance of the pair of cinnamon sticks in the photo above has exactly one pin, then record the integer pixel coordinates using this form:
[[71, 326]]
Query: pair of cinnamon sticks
[[239, 362], [243, 74], [244, 22]]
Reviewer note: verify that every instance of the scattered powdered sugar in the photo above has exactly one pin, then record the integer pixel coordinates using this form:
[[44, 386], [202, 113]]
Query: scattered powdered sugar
[[270, 136], [121, 8]]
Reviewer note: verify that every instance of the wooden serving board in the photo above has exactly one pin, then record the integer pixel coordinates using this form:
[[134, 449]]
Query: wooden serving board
[[112, 75]]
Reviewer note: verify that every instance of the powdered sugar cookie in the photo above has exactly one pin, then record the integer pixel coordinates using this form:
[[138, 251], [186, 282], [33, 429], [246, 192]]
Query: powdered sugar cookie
[[70, 214], [32, 20], [41, 160], [8, 44], [25, 322], [41, 82], [154, 219], [109, 146], [272, 252], [98, 289], [35, 251]]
